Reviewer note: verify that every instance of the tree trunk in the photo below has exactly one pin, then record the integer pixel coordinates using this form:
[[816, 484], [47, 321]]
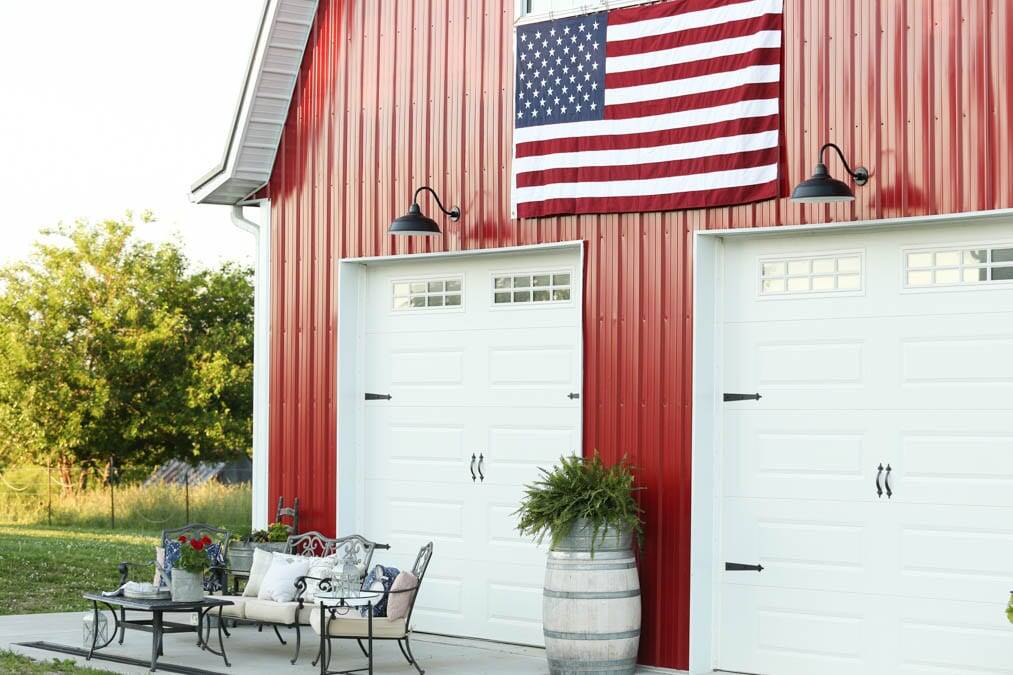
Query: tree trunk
[[64, 466]]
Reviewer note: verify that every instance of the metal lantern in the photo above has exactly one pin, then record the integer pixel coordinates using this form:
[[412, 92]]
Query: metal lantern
[[95, 629]]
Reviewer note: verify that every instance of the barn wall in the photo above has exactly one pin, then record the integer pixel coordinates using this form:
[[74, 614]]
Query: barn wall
[[399, 93]]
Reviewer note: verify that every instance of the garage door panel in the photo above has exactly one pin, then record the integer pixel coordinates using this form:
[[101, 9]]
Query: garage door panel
[[407, 514], [802, 544], [918, 381], [774, 454], [951, 553], [929, 637], [799, 632], [480, 399]]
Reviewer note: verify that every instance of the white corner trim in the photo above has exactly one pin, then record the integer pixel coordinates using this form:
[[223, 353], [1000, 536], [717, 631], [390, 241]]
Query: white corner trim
[[261, 353]]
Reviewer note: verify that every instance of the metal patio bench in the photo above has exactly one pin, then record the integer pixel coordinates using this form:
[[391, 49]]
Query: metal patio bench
[[252, 610]]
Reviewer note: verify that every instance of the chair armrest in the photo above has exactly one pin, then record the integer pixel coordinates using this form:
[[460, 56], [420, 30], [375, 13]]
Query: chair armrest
[[324, 584], [382, 547]]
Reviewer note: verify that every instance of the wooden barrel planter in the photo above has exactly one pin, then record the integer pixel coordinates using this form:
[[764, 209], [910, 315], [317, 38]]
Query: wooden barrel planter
[[591, 606]]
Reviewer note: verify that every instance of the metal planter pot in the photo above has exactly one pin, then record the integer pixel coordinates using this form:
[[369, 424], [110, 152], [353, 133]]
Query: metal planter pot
[[240, 555], [591, 606], [187, 586]]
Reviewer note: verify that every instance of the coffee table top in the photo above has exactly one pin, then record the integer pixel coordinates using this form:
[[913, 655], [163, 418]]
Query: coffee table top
[[156, 604]]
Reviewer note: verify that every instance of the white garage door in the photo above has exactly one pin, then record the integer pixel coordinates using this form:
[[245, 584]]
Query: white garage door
[[482, 359], [885, 362]]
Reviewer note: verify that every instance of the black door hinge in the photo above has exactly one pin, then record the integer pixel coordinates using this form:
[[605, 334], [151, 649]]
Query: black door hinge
[[573, 396], [742, 397], [378, 397], [742, 567]]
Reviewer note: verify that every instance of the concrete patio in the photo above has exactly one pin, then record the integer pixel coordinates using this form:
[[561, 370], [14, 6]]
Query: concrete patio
[[253, 652]]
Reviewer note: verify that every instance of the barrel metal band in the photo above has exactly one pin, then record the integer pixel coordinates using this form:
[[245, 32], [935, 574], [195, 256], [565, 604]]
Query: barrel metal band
[[586, 555], [582, 666], [559, 635], [591, 595], [579, 567]]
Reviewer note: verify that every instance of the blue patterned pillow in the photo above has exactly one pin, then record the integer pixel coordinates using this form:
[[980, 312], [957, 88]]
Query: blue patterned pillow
[[383, 577]]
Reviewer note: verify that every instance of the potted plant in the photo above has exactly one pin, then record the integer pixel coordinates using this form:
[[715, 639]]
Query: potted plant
[[591, 600], [274, 538], [187, 582]]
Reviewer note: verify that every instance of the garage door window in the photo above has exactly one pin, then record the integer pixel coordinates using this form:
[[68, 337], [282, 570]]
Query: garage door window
[[958, 266], [546, 287], [805, 275], [410, 295]]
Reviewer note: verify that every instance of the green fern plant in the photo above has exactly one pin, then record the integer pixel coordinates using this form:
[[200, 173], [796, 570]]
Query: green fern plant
[[579, 488]]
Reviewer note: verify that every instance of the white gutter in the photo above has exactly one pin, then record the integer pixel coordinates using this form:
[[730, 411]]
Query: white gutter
[[261, 350]]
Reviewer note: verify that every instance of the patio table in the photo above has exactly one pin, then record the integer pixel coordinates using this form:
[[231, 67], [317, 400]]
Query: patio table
[[337, 603], [156, 625]]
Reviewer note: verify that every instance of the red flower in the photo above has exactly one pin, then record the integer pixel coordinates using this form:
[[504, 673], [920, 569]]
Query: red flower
[[182, 539], [206, 540], [198, 545]]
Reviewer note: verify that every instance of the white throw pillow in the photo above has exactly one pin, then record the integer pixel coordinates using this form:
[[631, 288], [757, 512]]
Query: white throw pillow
[[279, 582], [261, 563]]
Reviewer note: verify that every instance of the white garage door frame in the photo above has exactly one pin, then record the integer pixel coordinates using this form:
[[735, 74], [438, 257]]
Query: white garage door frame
[[708, 421], [350, 501]]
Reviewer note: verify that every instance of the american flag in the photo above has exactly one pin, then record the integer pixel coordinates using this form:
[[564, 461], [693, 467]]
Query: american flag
[[672, 105]]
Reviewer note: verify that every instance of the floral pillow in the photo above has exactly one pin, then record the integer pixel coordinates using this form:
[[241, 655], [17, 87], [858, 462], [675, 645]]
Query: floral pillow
[[380, 578]]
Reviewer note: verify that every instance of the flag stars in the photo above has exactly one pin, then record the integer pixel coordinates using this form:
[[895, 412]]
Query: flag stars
[[552, 32], [595, 25], [538, 35], [594, 45], [593, 105]]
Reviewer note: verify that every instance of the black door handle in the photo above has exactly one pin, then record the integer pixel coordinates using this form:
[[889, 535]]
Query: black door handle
[[879, 489], [472, 467], [481, 476], [889, 492]]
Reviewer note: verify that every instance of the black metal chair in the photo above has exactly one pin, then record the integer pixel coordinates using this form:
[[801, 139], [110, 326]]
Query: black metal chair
[[359, 629], [250, 610]]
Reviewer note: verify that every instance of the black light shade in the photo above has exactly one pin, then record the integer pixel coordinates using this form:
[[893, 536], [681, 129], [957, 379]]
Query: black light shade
[[414, 222], [417, 223], [821, 187]]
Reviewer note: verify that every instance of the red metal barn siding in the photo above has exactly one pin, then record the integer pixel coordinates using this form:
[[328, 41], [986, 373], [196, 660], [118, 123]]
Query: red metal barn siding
[[399, 93]]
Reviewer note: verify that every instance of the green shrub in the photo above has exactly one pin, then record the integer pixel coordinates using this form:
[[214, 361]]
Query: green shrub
[[581, 489]]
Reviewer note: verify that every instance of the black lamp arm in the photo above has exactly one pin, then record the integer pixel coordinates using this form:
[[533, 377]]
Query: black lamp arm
[[860, 174], [454, 212]]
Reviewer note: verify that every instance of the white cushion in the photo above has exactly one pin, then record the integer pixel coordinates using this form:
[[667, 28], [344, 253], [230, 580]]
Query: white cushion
[[270, 611], [279, 582], [353, 625], [261, 563], [233, 611]]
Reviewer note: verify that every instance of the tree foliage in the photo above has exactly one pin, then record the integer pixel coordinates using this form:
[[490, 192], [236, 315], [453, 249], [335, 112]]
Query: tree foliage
[[111, 348]]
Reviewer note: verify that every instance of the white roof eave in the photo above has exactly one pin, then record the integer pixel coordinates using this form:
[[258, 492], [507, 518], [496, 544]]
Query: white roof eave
[[263, 105]]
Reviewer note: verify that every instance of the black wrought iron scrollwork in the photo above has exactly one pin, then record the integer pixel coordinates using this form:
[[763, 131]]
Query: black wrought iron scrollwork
[[879, 488]]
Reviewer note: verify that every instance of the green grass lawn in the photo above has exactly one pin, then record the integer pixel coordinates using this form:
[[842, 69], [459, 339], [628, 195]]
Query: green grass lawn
[[11, 662], [47, 569]]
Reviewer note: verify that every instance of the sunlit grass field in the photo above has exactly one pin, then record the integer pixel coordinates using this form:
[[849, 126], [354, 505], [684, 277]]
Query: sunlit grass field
[[28, 498]]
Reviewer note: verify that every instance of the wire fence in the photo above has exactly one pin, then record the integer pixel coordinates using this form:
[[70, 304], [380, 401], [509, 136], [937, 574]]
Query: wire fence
[[39, 495]]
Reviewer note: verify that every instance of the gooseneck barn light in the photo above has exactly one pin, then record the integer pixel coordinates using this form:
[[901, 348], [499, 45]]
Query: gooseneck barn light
[[418, 223], [822, 187]]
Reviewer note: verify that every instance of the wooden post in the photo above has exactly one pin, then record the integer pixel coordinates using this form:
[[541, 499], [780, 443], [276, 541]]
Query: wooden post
[[186, 490], [49, 492]]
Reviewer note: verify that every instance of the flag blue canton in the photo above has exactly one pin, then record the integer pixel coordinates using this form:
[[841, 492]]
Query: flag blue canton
[[560, 70]]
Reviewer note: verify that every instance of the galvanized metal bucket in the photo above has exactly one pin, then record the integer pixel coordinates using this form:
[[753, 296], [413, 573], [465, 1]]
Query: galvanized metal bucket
[[187, 586], [591, 605]]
